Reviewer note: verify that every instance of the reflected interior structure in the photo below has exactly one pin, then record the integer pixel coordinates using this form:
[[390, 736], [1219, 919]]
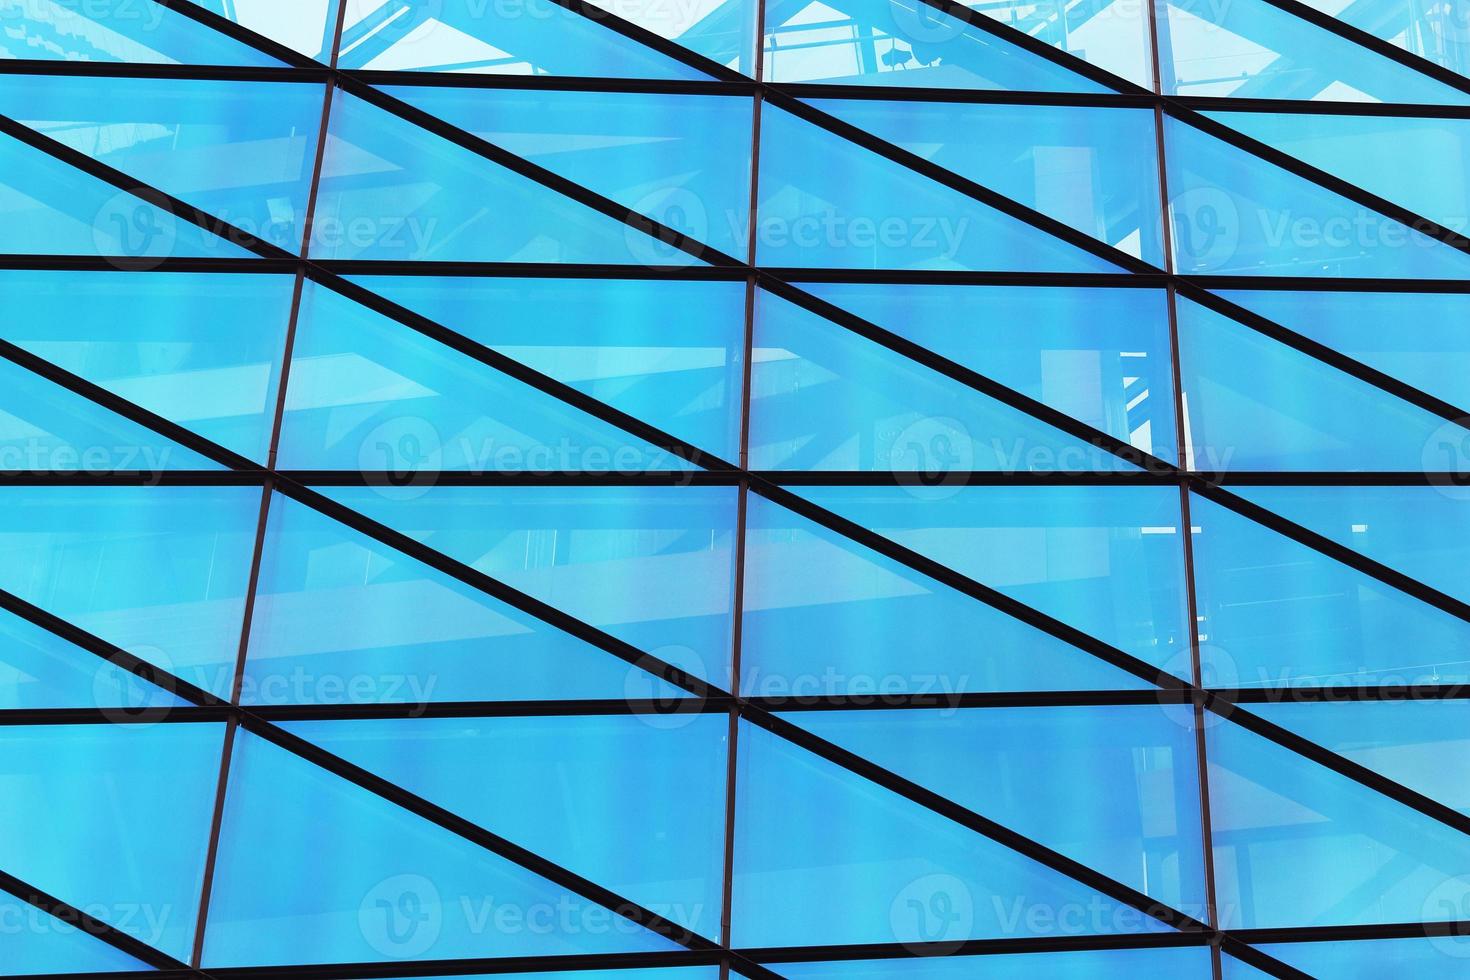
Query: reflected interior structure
[[811, 489]]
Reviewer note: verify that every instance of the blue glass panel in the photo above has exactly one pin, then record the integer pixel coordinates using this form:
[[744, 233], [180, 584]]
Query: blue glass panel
[[653, 566], [828, 202], [114, 820], [720, 30], [1423, 532], [683, 160], [661, 973], [670, 353], [45, 427], [1112, 34], [1112, 787], [1432, 958], [824, 856], [38, 669], [1252, 49], [1420, 744], [33, 942], [159, 571], [1418, 163], [1113, 964], [200, 350], [1235, 213], [1100, 355], [1234, 969], [636, 803], [240, 150], [307, 26], [1256, 404], [1088, 167], [1438, 32], [116, 30], [385, 884], [900, 42], [1280, 820], [520, 37], [1107, 560], [824, 616], [368, 393], [1276, 613], [340, 618], [1417, 337], [825, 398], [391, 190], [47, 207]]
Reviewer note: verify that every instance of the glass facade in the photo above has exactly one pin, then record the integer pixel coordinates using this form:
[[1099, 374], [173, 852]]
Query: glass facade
[[825, 490]]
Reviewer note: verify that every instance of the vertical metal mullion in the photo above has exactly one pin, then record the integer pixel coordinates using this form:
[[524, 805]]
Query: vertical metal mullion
[[742, 500], [267, 488], [1157, 48]]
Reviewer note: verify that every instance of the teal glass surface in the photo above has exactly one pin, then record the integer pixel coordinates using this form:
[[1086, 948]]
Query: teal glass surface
[[826, 202], [635, 803], [1439, 33], [1111, 787], [669, 157], [1415, 337], [669, 352], [901, 43], [1275, 613], [47, 428], [653, 566], [367, 392], [1433, 958], [1375, 153], [340, 618], [825, 616], [522, 37], [38, 943], [391, 190], [1418, 744], [722, 31], [1256, 404], [113, 820], [824, 397], [1235, 213], [1279, 820], [39, 669], [199, 349], [1107, 560], [1112, 34], [305, 26], [172, 134], [389, 884], [1114, 964], [118, 31], [1420, 531], [824, 856], [1079, 165], [76, 552], [1254, 49], [49, 208], [1099, 355]]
